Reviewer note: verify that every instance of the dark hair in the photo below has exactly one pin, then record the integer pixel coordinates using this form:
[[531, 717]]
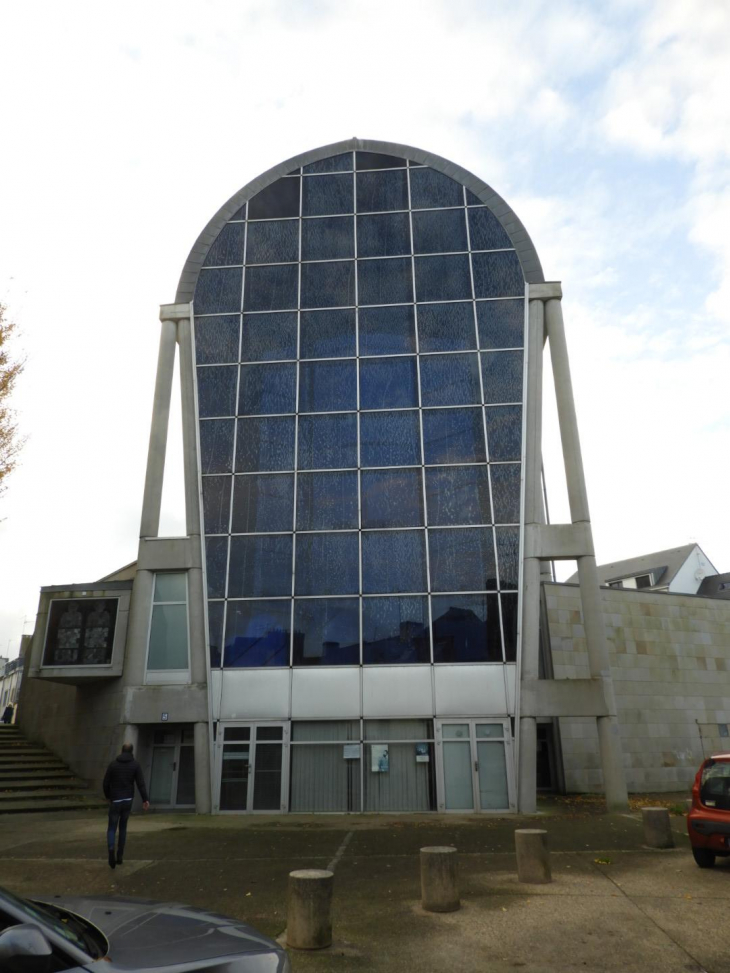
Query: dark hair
[[127, 747]]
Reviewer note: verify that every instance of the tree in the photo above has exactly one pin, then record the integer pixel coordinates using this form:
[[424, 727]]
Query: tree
[[10, 441]]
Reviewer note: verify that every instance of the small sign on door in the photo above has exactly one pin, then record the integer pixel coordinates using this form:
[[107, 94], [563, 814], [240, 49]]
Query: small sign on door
[[164, 717]]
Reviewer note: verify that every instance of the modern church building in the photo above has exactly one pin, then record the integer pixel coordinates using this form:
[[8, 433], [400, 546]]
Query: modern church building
[[353, 619]]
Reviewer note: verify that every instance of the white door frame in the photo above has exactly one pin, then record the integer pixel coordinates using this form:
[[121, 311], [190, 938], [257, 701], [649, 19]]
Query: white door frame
[[253, 743], [472, 721]]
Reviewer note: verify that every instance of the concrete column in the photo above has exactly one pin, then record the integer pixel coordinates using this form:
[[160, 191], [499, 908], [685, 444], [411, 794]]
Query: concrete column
[[657, 827], [614, 778], [530, 650], [308, 909], [439, 879], [140, 609], [152, 499], [533, 857], [201, 740]]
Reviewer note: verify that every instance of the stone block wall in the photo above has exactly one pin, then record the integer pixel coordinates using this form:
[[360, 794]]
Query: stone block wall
[[670, 662]]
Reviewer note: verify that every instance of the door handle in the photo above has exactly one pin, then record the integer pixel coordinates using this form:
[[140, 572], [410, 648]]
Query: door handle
[[476, 766]]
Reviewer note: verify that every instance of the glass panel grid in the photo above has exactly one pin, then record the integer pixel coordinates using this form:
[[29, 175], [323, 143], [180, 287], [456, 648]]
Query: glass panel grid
[[359, 536]]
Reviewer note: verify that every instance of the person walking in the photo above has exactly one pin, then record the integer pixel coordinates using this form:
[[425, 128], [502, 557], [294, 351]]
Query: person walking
[[121, 776], [8, 714]]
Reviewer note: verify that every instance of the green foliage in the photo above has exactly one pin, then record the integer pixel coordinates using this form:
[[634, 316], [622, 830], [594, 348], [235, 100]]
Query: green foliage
[[10, 441]]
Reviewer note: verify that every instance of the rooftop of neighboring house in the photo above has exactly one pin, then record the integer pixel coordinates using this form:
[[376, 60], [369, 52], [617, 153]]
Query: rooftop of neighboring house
[[658, 570]]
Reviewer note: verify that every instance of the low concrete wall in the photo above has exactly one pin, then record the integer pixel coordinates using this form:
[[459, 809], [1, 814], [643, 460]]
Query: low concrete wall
[[670, 662]]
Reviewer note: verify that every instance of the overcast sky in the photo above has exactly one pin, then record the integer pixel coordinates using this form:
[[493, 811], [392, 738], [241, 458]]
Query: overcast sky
[[605, 125]]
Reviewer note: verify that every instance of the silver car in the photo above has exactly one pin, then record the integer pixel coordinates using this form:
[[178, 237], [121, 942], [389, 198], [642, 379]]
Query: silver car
[[101, 935]]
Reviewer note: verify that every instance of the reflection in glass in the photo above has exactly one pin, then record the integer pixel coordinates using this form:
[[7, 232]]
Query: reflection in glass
[[265, 443], [457, 495], [280, 199], [380, 191], [334, 163], [492, 764], [257, 633], [446, 327], [331, 238], [504, 432], [168, 647], [508, 552], [271, 288], [328, 284], [216, 339], [218, 291], [216, 504], [450, 380], [215, 631], [506, 493], [216, 445], [376, 160], [431, 189], [327, 501], [327, 196], [392, 498], [384, 281], [263, 503], [393, 561], [509, 624], [260, 565], [486, 232], [387, 330], [466, 628], [439, 231], [327, 386], [462, 560], [216, 563], [497, 275], [327, 632], [383, 235], [227, 248], [269, 337], [327, 334], [388, 383], [502, 376], [444, 278], [389, 439], [327, 442], [274, 242], [501, 324], [327, 564], [267, 389], [453, 436], [217, 391], [395, 630]]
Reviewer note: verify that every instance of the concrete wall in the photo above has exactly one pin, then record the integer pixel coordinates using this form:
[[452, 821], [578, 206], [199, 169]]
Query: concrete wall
[[670, 662]]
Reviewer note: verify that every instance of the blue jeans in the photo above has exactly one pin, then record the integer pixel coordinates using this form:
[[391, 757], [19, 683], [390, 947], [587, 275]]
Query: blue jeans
[[118, 815]]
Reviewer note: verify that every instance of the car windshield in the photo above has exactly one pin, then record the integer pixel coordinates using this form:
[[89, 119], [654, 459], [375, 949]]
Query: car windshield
[[715, 785], [84, 937]]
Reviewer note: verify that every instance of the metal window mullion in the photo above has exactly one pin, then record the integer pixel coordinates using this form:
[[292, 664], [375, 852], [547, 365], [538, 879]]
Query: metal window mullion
[[296, 439], [359, 462]]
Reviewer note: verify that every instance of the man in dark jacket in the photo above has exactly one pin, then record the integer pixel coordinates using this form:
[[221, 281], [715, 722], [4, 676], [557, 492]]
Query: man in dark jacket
[[121, 776]]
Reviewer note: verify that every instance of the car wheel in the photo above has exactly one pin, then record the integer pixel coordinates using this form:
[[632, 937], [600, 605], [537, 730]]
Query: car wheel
[[704, 857]]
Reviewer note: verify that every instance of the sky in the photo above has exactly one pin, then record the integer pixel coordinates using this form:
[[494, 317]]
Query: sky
[[605, 125]]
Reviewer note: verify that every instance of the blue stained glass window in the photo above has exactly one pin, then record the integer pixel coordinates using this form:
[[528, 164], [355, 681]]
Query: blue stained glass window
[[257, 633], [215, 631], [263, 503], [392, 498], [444, 278], [504, 432], [327, 501], [395, 631], [328, 334], [450, 380], [240, 214], [431, 189], [509, 625], [502, 376], [506, 493], [498, 275], [227, 248], [462, 560], [334, 163], [216, 446], [453, 436], [466, 628], [508, 552], [383, 235], [330, 238], [272, 242], [218, 291], [439, 231], [328, 284], [327, 442], [260, 565], [388, 383], [501, 324], [217, 391], [472, 199], [267, 389], [216, 504], [387, 281], [446, 327], [327, 632], [382, 191], [393, 561], [271, 288], [389, 439], [280, 199], [327, 196], [327, 564], [269, 337], [216, 564], [264, 444], [327, 386], [486, 232], [376, 160], [387, 330], [458, 495], [216, 339]]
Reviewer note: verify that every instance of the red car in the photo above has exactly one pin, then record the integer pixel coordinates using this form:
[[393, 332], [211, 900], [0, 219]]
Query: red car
[[708, 823]]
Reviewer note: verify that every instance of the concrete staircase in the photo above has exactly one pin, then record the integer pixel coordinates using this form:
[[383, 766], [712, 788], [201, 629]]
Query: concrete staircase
[[34, 779]]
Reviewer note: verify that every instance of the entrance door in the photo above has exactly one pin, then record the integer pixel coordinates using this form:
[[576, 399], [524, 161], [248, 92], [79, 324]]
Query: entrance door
[[250, 771], [172, 776], [476, 765]]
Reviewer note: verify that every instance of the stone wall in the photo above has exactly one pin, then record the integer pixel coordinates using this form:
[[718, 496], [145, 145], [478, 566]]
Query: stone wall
[[670, 661]]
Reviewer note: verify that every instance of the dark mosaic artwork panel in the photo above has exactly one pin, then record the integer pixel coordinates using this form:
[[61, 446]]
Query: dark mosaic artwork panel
[[269, 337], [446, 327], [387, 330], [219, 291], [216, 446], [272, 242], [217, 339], [228, 246], [265, 444]]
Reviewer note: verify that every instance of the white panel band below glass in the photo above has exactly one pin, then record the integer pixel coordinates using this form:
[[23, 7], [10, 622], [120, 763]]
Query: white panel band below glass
[[397, 691], [255, 694], [324, 693], [470, 691]]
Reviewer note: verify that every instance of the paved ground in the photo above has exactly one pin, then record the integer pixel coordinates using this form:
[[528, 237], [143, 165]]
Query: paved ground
[[614, 905]]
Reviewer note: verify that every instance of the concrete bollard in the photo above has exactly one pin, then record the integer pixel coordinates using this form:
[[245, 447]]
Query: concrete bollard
[[308, 905], [657, 827], [439, 879], [533, 856]]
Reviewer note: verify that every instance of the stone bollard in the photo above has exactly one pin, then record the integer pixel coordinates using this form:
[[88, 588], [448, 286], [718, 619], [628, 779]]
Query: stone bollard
[[309, 900], [439, 879], [657, 827], [533, 857]]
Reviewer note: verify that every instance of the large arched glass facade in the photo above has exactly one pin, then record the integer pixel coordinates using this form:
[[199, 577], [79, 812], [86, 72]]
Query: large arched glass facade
[[359, 344]]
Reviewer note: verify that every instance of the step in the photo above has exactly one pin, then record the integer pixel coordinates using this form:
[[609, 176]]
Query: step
[[43, 795], [40, 766], [25, 749], [15, 758], [23, 806], [40, 783], [18, 777]]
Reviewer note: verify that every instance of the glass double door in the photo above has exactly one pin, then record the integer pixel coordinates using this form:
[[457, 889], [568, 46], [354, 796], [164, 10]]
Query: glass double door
[[476, 767], [250, 767], [172, 775]]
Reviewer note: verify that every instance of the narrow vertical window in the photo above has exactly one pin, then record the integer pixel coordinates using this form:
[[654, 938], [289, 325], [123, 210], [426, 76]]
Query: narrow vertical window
[[168, 645]]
